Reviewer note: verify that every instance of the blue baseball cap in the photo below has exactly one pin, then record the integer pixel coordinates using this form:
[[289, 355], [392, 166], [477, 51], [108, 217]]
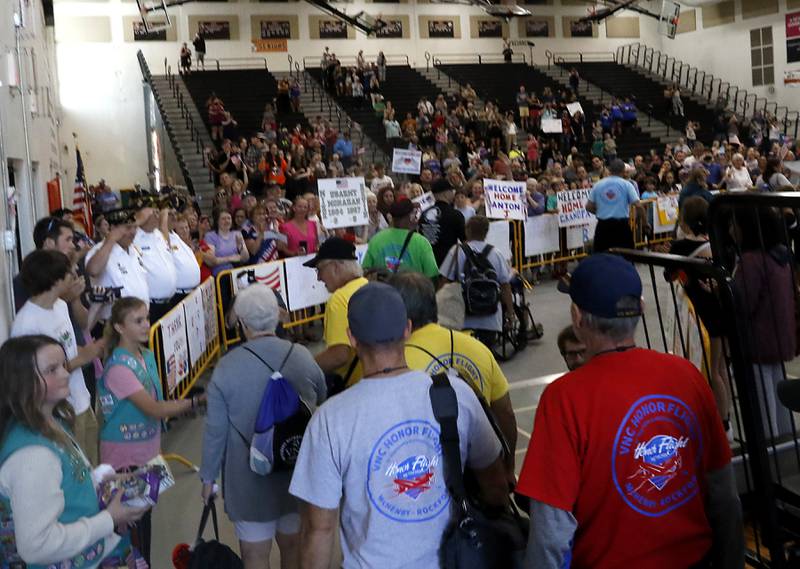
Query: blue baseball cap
[[600, 281], [377, 314]]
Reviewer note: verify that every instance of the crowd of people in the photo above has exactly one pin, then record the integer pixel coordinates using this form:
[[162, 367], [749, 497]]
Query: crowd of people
[[85, 306]]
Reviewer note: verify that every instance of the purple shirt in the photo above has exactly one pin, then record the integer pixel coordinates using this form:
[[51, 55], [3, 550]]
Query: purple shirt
[[223, 247]]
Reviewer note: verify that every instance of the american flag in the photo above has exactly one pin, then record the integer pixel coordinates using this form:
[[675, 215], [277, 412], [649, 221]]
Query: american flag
[[81, 208]]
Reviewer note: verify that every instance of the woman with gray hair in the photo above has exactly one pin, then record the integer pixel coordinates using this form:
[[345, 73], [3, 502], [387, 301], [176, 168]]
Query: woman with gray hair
[[259, 506], [737, 177]]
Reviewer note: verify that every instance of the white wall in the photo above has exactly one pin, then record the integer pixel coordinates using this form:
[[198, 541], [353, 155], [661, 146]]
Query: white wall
[[36, 45], [100, 81], [724, 51]]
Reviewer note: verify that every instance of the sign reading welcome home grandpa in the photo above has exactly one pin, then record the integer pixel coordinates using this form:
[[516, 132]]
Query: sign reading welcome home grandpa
[[572, 208], [504, 200]]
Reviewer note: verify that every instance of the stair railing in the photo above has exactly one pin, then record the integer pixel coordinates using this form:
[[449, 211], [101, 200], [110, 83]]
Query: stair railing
[[427, 61], [289, 56], [297, 72], [787, 122]]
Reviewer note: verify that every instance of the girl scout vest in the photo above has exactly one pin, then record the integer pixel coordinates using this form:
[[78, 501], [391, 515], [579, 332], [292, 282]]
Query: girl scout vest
[[80, 500], [123, 422]]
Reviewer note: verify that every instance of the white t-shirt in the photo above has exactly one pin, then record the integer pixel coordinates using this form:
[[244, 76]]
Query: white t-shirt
[[387, 476], [379, 182], [740, 179], [124, 269], [185, 263], [158, 263], [55, 323]]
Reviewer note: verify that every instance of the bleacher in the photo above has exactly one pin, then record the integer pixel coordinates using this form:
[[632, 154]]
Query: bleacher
[[623, 81], [500, 82], [404, 87], [245, 92]]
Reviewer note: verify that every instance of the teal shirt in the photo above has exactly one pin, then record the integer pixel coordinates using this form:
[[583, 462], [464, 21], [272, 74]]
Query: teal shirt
[[80, 499], [384, 249], [123, 421]]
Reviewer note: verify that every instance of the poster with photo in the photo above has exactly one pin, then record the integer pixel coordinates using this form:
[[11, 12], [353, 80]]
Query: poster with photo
[[537, 28], [140, 34], [490, 29], [176, 348], [581, 29], [391, 29], [332, 29], [441, 29], [218, 30], [195, 325], [276, 29]]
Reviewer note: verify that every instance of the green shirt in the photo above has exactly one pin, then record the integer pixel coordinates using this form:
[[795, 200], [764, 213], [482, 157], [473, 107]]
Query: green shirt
[[385, 246]]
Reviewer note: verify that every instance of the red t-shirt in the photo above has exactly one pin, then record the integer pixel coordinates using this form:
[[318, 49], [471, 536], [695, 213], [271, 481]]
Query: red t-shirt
[[623, 443]]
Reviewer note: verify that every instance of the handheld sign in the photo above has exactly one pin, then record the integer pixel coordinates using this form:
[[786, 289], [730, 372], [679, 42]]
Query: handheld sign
[[406, 161], [342, 202], [552, 126], [574, 108], [424, 201], [504, 200], [572, 208]]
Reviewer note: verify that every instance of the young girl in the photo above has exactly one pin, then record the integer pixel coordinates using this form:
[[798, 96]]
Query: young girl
[[131, 399], [48, 499]]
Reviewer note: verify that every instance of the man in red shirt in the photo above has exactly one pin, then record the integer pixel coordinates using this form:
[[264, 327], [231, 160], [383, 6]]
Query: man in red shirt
[[628, 465]]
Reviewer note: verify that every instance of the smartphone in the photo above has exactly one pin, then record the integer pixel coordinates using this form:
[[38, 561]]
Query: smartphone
[[303, 247]]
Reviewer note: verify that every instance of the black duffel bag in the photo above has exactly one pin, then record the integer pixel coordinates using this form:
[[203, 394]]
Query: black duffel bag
[[212, 554], [476, 538]]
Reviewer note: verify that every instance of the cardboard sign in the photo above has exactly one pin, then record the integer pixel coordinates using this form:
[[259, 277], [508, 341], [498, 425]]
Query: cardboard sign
[[302, 286], [574, 108], [666, 214], [498, 237], [425, 201], [572, 208], [195, 325], [504, 200], [208, 289], [406, 161], [176, 348], [541, 235], [343, 202], [552, 126], [270, 274], [579, 235]]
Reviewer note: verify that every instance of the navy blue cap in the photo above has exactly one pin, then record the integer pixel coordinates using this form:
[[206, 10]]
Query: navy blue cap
[[377, 314], [600, 281]]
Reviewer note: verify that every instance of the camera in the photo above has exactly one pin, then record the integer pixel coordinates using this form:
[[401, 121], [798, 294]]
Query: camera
[[101, 295]]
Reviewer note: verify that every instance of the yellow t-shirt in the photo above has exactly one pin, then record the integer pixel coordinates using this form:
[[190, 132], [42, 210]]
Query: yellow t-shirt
[[335, 324], [473, 360]]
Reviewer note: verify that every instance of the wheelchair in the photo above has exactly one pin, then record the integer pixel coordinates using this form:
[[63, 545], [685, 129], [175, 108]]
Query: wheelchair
[[516, 333]]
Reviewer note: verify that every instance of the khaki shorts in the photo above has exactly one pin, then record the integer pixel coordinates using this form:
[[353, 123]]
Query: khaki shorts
[[255, 532], [86, 434], [523, 112]]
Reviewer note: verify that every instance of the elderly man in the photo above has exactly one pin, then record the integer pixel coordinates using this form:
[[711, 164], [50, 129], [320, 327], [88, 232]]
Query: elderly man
[[610, 200], [338, 268], [628, 465], [433, 348], [260, 507], [371, 457], [152, 242], [485, 326]]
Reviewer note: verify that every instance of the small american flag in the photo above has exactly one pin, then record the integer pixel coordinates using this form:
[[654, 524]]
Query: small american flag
[[81, 208]]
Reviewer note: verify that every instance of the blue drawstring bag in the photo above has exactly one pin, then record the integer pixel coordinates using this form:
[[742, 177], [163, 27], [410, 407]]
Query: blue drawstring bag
[[280, 424]]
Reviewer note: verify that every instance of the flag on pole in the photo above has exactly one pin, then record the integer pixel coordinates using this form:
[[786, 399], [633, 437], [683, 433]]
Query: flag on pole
[[81, 208]]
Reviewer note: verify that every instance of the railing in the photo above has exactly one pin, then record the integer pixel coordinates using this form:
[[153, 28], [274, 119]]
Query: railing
[[699, 82], [169, 127], [469, 58], [238, 62], [583, 56], [312, 61]]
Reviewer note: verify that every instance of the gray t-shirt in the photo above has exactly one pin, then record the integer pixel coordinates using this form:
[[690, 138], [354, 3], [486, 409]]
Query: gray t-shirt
[[373, 451], [234, 396], [455, 272]]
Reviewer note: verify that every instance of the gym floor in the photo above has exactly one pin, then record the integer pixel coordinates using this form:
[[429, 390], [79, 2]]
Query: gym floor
[[176, 517]]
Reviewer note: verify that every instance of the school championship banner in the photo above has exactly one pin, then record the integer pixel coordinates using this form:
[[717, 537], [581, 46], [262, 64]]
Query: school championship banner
[[270, 45], [504, 200], [176, 348], [406, 161], [572, 208], [343, 202]]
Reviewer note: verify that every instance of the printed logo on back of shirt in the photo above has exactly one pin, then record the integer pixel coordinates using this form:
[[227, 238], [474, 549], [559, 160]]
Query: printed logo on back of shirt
[[465, 366], [655, 455], [405, 476]]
